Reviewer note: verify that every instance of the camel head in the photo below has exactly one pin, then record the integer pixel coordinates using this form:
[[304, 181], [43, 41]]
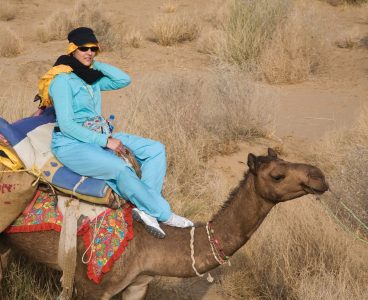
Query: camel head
[[277, 180]]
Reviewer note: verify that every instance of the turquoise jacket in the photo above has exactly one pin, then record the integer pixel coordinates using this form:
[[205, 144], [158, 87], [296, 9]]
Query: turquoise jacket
[[75, 101]]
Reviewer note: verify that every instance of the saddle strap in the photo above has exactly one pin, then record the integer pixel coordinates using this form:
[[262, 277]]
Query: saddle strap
[[67, 253]]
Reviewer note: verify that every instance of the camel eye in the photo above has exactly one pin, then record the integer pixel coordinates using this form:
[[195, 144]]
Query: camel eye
[[278, 178]]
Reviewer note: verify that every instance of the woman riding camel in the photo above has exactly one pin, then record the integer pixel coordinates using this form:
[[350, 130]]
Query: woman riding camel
[[74, 84]]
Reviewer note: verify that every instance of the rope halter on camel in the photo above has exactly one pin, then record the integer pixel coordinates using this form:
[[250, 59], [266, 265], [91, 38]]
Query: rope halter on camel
[[217, 251]]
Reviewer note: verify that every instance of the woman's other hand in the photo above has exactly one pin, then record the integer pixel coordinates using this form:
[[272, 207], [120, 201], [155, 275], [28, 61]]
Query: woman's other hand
[[38, 112], [116, 145], [3, 140]]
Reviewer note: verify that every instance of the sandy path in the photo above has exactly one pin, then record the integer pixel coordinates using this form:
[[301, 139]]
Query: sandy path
[[332, 100]]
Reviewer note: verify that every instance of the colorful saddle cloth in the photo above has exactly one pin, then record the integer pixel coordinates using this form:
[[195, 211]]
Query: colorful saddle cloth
[[30, 138], [115, 230]]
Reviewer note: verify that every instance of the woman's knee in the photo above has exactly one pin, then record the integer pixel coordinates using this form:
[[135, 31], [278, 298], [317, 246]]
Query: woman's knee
[[124, 170], [158, 148]]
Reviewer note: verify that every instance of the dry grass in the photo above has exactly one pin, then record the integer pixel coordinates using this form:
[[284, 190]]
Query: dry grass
[[296, 50], [133, 39], [248, 27], [24, 106], [169, 7], [25, 280], [195, 117], [349, 2], [8, 10], [171, 29], [274, 40], [11, 44], [210, 42], [299, 253], [56, 27], [349, 39], [345, 157], [84, 13]]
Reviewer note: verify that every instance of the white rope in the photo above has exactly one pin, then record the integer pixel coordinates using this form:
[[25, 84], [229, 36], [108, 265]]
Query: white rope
[[209, 277], [212, 247], [192, 252], [95, 233]]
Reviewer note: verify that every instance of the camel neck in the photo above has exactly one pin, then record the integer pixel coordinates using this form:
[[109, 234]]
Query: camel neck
[[234, 224]]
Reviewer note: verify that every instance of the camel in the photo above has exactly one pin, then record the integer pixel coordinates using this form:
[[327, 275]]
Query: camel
[[269, 181]]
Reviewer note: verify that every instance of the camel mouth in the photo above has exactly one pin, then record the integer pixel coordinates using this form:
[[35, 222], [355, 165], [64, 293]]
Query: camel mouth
[[315, 191]]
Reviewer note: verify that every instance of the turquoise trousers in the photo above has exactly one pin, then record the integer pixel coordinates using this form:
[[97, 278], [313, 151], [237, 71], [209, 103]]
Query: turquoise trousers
[[91, 160]]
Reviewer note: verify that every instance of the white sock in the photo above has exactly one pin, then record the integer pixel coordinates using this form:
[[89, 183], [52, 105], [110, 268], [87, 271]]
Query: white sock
[[178, 221]]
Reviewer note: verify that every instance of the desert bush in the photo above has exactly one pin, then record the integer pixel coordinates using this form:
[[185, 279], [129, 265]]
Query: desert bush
[[272, 39], [296, 48], [55, 27], [133, 39], [351, 2], [8, 10], [84, 13], [11, 44], [171, 29], [248, 27]]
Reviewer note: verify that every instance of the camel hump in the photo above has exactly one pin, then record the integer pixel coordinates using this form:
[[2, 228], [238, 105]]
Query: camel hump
[[16, 191]]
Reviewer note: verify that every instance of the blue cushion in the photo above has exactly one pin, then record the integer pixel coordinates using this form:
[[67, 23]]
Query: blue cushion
[[54, 172]]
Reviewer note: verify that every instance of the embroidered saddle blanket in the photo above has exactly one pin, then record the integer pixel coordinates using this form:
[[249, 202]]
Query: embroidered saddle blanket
[[105, 232], [30, 138]]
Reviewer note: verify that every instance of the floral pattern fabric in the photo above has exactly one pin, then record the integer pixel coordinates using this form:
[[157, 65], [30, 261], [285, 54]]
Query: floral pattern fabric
[[107, 235]]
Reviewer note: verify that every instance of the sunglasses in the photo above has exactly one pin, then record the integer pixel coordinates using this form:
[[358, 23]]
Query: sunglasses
[[85, 49]]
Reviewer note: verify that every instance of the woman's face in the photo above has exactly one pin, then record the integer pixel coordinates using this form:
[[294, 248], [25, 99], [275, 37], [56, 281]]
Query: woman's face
[[85, 57]]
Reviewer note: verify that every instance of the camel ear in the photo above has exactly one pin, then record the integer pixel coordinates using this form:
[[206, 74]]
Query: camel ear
[[272, 153], [252, 163]]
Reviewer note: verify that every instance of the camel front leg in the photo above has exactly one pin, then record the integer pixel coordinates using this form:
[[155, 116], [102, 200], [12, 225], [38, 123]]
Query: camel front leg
[[137, 290]]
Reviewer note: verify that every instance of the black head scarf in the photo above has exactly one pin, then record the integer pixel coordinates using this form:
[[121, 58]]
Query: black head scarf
[[88, 74]]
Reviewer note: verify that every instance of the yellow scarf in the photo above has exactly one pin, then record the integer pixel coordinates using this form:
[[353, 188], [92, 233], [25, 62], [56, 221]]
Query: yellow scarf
[[45, 81]]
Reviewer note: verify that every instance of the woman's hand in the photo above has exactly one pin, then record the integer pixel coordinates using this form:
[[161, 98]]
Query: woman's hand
[[116, 145], [38, 112], [3, 140]]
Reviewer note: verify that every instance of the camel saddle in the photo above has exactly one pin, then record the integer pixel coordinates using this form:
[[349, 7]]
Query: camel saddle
[[30, 149]]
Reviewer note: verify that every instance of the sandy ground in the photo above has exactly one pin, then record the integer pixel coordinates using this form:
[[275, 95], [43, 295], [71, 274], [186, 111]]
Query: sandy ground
[[305, 112]]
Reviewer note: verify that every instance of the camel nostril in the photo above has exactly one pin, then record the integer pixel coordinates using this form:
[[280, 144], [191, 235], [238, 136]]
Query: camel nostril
[[315, 174]]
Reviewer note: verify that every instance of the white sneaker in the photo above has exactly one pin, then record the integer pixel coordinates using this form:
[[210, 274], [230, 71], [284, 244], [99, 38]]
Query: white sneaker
[[150, 223], [178, 221]]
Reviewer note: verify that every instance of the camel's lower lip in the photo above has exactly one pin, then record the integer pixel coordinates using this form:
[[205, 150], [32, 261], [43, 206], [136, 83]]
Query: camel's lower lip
[[311, 190]]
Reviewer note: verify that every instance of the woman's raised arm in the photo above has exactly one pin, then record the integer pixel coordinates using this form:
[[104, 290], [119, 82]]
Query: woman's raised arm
[[114, 78]]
